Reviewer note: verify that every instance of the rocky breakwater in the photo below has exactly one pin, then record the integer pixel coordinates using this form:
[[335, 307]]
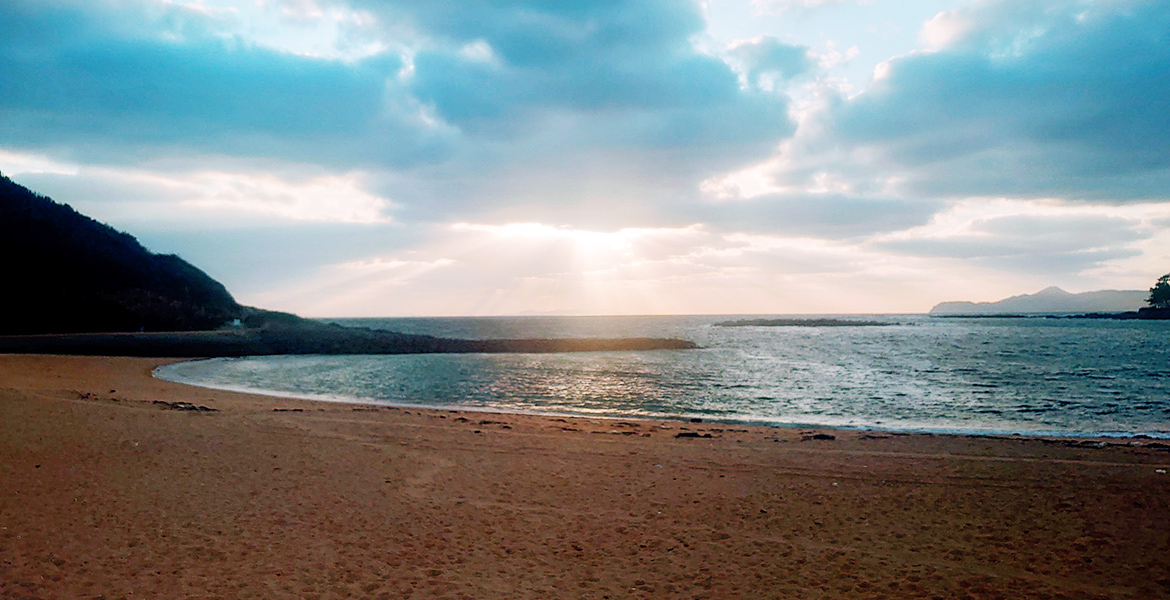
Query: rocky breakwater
[[303, 336]]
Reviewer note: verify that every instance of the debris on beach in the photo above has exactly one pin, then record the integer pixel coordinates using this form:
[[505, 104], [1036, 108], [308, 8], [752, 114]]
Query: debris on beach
[[185, 406]]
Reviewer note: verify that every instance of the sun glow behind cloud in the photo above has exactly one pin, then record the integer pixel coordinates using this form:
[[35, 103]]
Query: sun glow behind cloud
[[526, 268], [514, 268], [363, 157]]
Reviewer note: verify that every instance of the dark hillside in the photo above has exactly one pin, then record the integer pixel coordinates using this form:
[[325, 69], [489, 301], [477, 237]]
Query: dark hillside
[[67, 273]]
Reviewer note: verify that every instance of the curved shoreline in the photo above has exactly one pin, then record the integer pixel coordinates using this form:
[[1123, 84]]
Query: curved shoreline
[[1113, 436], [112, 482]]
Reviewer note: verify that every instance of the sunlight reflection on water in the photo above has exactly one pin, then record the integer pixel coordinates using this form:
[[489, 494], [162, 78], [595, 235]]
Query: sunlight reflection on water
[[1035, 376]]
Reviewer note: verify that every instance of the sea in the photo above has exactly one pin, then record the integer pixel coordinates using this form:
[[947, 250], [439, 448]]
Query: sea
[[914, 373]]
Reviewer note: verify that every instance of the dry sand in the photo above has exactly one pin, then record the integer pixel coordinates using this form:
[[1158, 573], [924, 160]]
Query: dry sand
[[105, 493]]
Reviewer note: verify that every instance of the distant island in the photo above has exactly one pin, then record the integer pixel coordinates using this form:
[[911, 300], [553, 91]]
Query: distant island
[[1055, 302], [77, 286], [801, 323]]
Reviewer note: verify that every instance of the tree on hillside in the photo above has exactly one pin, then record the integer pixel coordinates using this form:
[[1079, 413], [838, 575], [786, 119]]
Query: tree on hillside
[[1160, 293], [64, 272]]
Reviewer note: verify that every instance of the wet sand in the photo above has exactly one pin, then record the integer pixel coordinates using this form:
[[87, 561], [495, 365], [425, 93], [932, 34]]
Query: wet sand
[[115, 485]]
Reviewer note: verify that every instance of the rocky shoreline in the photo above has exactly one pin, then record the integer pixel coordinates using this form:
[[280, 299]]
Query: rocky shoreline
[[305, 337]]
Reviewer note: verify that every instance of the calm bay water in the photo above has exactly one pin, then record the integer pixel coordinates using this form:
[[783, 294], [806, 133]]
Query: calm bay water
[[1030, 376]]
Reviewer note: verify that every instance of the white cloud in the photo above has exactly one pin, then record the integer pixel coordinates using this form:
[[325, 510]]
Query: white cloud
[[780, 6], [1078, 241], [20, 163], [479, 51], [303, 27], [1044, 99], [173, 198], [945, 29], [767, 63], [330, 198], [596, 158]]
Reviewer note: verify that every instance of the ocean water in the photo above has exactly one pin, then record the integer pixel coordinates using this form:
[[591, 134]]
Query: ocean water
[[1031, 376]]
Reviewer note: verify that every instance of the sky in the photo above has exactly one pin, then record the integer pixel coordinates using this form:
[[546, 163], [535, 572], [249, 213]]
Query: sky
[[340, 158]]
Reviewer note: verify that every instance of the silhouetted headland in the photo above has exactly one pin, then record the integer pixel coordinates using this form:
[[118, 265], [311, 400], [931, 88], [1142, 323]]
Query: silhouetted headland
[[67, 273], [77, 286]]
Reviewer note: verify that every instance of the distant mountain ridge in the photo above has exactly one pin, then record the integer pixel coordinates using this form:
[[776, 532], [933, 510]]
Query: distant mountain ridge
[[68, 273], [1051, 300]]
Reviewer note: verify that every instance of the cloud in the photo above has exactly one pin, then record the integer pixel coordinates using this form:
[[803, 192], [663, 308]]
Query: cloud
[[781, 6], [514, 268], [414, 157], [1025, 237], [595, 82], [475, 71], [766, 60], [17, 163], [213, 199], [253, 260], [119, 98], [469, 105], [330, 198], [1032, 99], [829, 215], [482, 268]]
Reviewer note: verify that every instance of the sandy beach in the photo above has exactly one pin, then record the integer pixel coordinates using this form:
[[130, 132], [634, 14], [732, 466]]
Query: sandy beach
[[116, 485]]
